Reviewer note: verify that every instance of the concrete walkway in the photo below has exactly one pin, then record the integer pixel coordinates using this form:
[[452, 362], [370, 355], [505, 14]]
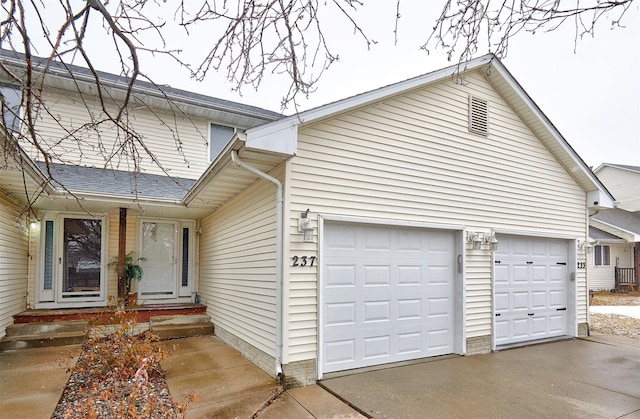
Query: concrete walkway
[[228, 386]]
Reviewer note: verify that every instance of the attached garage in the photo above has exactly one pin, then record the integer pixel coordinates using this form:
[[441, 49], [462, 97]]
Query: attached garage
[[387, 294], [532, 289]]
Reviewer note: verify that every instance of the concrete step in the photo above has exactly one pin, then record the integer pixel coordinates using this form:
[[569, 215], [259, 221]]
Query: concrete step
[[38, 335], [170, 327]]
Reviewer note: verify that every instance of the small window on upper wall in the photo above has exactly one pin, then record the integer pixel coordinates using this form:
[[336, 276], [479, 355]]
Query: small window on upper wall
[[478, 115], [10, 107], [219, 136]]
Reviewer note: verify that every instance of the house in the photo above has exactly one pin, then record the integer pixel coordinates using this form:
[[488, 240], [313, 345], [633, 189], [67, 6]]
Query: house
[[424, 218], [614, 258]]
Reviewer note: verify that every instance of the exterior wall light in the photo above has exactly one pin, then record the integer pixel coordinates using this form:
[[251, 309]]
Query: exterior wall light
[[304, 227], [491, 239], [475, 240]]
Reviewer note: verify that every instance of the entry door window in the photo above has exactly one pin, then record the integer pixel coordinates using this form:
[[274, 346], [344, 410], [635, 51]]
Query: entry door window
[[159, 259], [72, 259], [82, 257]]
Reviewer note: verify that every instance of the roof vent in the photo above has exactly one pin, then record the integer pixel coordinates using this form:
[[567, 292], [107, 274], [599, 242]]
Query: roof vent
[[478, 115]]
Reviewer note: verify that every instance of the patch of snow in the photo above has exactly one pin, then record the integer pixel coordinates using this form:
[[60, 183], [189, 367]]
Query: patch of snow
[[629, 311]]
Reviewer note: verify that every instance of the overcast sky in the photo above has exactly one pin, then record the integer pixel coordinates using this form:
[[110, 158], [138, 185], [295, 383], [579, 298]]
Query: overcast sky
[[592, 96]]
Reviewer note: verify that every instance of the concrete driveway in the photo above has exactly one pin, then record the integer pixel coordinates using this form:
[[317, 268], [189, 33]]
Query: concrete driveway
[[597, 377]]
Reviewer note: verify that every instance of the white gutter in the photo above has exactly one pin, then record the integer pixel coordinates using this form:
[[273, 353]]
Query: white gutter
[[279, 252]]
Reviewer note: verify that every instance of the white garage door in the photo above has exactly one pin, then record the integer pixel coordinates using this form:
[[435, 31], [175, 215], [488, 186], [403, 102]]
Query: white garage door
[[387, 295], [531, 288]]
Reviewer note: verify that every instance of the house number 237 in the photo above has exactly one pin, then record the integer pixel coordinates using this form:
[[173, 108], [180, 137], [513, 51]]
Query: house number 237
[[303, 260]]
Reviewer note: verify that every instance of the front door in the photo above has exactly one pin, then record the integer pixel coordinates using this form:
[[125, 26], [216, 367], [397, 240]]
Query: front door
[[158, 260], [73, 263]]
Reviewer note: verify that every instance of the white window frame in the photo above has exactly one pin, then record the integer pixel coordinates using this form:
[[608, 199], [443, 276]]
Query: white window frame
[[604, 253], [54, 297], [215, 147], [183, 291]]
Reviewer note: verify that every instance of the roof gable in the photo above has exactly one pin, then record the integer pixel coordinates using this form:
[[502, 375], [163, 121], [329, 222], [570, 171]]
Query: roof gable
[[282, 135]]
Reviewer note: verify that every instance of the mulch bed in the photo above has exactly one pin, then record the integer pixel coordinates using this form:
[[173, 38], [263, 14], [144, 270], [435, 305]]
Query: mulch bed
[[90, 394]]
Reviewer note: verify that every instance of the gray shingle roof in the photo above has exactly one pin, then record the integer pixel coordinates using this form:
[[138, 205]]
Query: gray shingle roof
[[118, 183], [597, 234], [78, 72], [629, 221]]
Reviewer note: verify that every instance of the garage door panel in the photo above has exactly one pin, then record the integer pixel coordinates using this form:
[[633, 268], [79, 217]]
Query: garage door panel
[[520, 274], [409, 343], [557, 323], [410, 309], [539, 300], [394, 300], [536, 288], [501, 274], [410, 275], [376, 275], [439, 340], [341, 276], [501, 301], [539, 326], [376, 311], [376, 347], [337, 314], [520, 301]]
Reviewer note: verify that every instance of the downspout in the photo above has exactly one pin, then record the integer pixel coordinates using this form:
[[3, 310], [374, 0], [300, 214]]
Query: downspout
[[279, 251]]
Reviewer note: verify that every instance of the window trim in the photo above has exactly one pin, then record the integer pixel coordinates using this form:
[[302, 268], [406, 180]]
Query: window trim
[[210, 141], [602, 254]]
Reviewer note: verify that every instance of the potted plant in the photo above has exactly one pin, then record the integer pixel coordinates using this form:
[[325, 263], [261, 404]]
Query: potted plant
[[132, 271]]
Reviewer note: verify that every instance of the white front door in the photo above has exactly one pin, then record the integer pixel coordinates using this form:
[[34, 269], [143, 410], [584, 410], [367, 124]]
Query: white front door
[[531, 289], [158, 253], [387, 294]]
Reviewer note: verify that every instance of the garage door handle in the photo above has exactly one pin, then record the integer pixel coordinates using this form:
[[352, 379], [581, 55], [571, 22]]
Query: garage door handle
[[530, 314], [497, 314], [561, 309]]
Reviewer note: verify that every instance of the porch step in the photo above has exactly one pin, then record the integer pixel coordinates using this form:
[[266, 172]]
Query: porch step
[[180, 326], [38, 335]]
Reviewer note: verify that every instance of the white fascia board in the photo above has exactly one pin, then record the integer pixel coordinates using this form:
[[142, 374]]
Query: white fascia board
[[281, 138], [572, 161]]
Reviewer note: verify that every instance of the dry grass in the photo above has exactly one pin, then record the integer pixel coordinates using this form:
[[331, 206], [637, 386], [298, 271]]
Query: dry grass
[[631, 298], [612, 324]]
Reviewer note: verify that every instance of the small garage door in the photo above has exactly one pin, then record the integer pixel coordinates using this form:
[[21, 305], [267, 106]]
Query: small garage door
[[387, 294], [531, 289]]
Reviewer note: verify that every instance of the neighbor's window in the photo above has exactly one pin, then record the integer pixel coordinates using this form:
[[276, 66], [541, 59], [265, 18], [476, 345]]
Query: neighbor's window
[[219, 136], [10, 107], [601, 255]]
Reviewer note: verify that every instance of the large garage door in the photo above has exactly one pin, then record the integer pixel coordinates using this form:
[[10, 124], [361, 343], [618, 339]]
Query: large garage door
[[387, 295], [531, 288]]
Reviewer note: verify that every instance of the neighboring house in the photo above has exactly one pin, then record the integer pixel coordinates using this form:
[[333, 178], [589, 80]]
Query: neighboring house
[[355, 234], [612, 259], [623, 182], [615, 260]]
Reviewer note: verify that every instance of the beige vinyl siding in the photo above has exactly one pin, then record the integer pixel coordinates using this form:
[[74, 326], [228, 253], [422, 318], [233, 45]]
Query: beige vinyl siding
[[603, 277], [237, 266], [14, 243], [412, 159], [624, 185], [178, 142]]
